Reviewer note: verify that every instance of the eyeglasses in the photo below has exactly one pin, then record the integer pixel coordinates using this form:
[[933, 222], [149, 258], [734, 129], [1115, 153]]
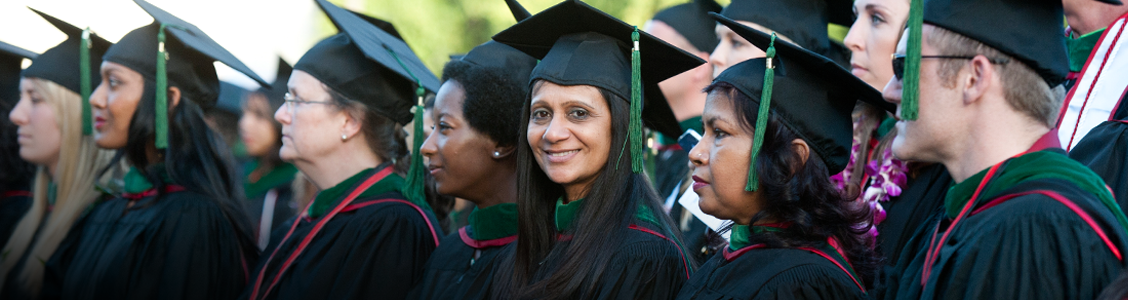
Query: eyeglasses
[[293, 101], [899, 62]]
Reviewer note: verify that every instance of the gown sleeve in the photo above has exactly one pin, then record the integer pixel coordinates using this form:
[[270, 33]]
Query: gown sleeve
[[1029, 250], [390, 248], [643, 270], [191, 253]]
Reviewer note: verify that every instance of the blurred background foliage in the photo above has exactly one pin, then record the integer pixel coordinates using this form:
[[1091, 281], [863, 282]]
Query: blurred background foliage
[[436, 29]]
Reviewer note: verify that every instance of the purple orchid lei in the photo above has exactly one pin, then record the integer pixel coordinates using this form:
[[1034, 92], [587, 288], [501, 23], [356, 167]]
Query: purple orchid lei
[[887, 177]]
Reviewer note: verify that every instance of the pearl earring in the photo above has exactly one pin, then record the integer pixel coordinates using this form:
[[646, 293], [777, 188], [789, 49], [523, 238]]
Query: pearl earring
[[497, 154], [344, 137]]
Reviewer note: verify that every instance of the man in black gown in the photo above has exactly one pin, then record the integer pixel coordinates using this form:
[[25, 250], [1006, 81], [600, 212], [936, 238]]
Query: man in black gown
[[1023, 221]]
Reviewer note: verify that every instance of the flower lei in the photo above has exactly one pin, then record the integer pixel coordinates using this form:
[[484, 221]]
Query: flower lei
[[887, 177]]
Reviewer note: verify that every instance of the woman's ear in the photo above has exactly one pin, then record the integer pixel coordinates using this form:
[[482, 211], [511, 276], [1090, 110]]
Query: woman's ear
[[803, 151], [351, 126], [173, 97], [500, 151]]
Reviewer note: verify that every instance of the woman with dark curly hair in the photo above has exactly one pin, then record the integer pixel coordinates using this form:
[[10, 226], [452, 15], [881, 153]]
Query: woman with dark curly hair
[[471, 156], [471, 152], [775, 129]]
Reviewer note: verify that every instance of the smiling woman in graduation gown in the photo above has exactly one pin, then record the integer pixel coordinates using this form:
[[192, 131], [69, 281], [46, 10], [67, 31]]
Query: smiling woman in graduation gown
[[369, 231], [472, 155], [590, 225], [178, 231], [776, 128]]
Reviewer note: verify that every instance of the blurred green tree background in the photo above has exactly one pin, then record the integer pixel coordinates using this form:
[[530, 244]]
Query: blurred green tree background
[[436, 29]]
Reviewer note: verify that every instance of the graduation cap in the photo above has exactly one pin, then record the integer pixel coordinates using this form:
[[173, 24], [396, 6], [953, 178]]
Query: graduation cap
[[72, 64], [812, 94], [692, 21], [11, 63], [277, 91], [580, 45], [230, 98], [369, 62], [1030, 31], [173, 52], [802, 21]]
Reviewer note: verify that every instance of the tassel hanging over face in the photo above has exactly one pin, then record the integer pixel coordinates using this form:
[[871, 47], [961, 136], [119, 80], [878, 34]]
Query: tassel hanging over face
[[910, 93], [84, 81]]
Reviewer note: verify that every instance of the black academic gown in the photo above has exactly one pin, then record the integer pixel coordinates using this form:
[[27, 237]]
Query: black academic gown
[[13, 205], [1029, 247], [178, 247], [770, 273], [922, 198], [645, 265], [374, 248], [1105, 150], [453, 271]]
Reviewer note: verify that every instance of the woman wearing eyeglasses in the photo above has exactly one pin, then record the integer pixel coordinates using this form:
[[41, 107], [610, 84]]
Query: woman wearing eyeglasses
[[268, 181], [368, 233]]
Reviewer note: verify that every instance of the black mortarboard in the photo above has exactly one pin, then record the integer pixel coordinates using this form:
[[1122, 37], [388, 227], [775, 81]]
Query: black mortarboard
[[802, 21], [277, 91], [517, 65], [692, 21], [183, 59], [1030, 31], [812, 94], [369, 62], [580, 45], [11, 63], [72, 64], [230, 98]]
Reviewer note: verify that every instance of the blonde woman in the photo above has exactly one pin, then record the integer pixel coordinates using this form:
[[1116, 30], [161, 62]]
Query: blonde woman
[[49, 116]]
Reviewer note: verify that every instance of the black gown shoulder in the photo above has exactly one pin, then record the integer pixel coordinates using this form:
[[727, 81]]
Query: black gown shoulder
[[1032, 246], [921, 200], [646, 265], [453, 271], [178, 247], [13, 205], [771, 273], [1105, 151], [374, 249]]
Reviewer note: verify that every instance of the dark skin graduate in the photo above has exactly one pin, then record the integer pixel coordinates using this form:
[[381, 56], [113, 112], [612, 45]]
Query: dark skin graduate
[[471, 156]]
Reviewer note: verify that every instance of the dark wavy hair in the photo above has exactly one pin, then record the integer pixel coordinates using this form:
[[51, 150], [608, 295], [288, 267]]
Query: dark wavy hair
[[196, 158], [801, 193], [493, 103], [600, 225]]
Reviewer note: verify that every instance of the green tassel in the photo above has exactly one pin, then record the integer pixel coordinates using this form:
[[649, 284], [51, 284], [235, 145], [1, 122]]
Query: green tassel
[[762, 116], [414, 185], [910, 94], [162, 92], [84, 87], [635, 133]]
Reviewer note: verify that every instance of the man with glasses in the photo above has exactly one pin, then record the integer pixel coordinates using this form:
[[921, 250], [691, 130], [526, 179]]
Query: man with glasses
[[978, 90]]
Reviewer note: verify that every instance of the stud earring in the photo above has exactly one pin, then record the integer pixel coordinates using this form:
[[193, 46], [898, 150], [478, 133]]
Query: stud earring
[[344, 137], [497, 154]]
